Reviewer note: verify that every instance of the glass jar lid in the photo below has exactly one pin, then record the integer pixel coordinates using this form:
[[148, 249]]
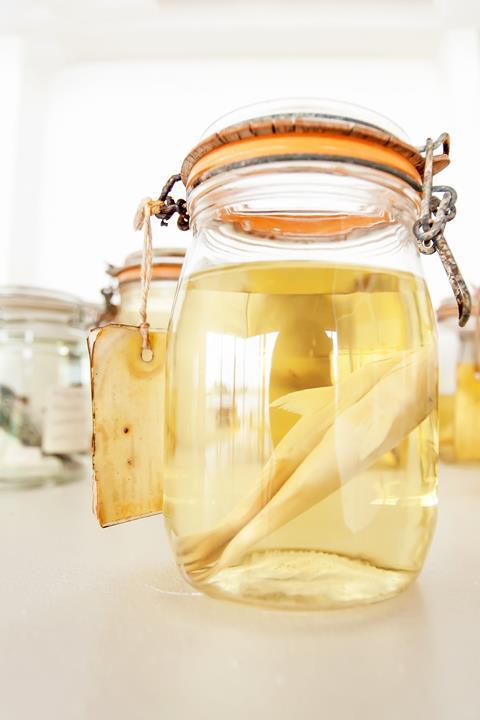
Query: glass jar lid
[[325, 107], [167, 265], [313, 130], [22, 303]]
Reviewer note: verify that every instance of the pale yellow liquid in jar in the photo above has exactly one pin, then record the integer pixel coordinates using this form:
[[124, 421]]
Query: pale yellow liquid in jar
[[467, 413], [460, 418], [446, 415], [356, 526]]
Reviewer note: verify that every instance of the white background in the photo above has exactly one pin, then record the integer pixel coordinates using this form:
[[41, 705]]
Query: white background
[[101, 100]]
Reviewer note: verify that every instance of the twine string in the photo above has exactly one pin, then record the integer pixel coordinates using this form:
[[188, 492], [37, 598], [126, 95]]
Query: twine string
[[142, 220]]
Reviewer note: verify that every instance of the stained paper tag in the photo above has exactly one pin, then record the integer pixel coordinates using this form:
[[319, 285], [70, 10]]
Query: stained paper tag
[[67, 421], [128, 422]]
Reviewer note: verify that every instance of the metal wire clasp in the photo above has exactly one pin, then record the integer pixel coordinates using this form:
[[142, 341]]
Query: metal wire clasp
[[429, 228], [169, 206]]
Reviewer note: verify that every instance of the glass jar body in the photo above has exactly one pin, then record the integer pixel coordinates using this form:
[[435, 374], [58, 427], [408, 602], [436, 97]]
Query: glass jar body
[[45, 405], [160, 300], [301, 449], [459, 402]]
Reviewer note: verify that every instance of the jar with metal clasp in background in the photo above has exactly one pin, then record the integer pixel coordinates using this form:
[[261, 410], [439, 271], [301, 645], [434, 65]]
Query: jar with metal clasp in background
[[459, 386], [166, 268], [45, 423]]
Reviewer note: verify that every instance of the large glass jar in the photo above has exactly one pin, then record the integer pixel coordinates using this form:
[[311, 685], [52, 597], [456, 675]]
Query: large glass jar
[[45, 421], [166, 268], [459, 384], [301, 365]]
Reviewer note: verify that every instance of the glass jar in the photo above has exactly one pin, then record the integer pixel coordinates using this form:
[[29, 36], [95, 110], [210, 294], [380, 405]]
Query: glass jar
[[459, 384], [301, 446], [166, 268], [45, 421]]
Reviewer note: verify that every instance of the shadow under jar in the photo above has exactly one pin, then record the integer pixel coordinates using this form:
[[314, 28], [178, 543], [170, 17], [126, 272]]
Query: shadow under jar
[[301, 448]]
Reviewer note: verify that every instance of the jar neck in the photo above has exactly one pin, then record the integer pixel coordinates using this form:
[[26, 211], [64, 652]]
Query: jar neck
[[303, 208]]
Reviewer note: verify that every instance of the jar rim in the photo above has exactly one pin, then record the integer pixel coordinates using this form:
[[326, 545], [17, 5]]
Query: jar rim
[[24, 301]]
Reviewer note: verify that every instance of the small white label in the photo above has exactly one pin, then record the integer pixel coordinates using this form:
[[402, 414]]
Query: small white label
[[67, 423]]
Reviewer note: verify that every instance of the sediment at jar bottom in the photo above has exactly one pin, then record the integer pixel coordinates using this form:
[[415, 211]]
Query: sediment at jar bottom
[[302, 432], [304, 580]]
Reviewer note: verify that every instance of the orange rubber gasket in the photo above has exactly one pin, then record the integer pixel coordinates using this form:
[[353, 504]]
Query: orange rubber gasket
[[332, 145], [165, 271], [326, 225]]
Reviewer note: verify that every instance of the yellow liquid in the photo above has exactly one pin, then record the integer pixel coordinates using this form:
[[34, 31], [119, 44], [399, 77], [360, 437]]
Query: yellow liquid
[[460, 418], [245, 336]]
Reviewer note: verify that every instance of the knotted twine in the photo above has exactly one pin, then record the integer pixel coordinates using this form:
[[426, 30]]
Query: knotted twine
[[145, 210]]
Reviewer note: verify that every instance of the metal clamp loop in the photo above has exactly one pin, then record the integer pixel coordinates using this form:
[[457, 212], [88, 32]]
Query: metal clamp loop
[[171, 206], [429, 229], [442, 140]]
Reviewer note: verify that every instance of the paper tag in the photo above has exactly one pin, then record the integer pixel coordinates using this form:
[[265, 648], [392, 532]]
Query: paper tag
[[128, 423], [67, 421]]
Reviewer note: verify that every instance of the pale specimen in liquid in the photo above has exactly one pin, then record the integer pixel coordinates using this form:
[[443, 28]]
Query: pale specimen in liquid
[[301, 448]]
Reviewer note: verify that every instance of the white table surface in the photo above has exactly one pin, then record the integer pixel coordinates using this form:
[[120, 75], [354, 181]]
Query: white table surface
[[97, 624]]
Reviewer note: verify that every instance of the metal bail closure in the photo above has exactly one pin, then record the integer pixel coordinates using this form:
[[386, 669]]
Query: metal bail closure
[[168, 206], [429, 228]]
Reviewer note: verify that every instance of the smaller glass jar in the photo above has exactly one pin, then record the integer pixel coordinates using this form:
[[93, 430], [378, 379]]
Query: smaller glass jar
[[166, 269], [459, 384], [45, 420]]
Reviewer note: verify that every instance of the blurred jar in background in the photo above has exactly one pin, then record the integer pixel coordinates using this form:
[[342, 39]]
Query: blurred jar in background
[[459, 384], [45, 421], [167, 266]]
